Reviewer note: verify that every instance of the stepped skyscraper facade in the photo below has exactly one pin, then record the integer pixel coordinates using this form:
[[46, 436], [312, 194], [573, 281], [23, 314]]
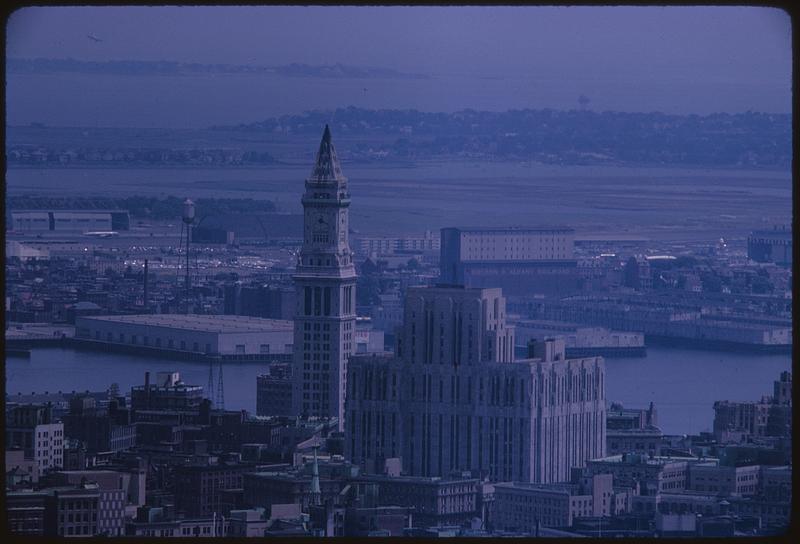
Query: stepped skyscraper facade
[[325, 281], [453, 397]]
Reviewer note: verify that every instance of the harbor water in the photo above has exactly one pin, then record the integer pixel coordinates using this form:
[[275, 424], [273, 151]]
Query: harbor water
[[683, 383]]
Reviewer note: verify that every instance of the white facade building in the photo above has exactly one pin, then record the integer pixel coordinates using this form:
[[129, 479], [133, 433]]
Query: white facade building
[[225, 335], [454, 398], [48, 446]]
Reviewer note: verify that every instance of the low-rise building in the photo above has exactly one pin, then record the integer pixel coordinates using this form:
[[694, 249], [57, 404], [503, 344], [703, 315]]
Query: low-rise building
[[198, 487], [168, 392], [436, 501], [650, 475], [724, 480], [20, 469], [274, 391], [228, 337], [525, 507], [25, 511], [32, 429]]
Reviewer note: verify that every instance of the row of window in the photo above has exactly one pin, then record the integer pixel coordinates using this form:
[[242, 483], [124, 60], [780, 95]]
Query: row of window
[[80, 530]]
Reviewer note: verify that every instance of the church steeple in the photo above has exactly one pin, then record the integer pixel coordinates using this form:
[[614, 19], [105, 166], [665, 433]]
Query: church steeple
[[327, 167], [316, 493]]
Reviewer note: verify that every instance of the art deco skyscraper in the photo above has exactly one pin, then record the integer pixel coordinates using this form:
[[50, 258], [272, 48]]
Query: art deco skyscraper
[[454, 398], [325, 280]]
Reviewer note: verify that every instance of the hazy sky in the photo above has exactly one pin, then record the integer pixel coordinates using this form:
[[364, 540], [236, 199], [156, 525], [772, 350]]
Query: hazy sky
[[736, 54]]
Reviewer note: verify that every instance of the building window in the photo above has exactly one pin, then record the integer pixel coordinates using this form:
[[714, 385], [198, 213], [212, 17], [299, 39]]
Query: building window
[[240, 348], [307, 300], [265, 348], [327, 301]]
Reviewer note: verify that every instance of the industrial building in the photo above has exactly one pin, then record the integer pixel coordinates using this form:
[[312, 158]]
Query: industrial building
[[521, 261], [582, 341], [228, 337], [68, 220], [771, 246], [383, 245]]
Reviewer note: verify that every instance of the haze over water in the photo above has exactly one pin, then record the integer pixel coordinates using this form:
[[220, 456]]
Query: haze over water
[[675, 60]]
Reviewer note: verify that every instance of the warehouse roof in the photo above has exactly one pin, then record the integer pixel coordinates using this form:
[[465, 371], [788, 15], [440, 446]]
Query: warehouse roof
[[514, 229], [203, 323]]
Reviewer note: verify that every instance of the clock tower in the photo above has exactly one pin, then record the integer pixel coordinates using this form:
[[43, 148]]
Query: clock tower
[[325, 280]]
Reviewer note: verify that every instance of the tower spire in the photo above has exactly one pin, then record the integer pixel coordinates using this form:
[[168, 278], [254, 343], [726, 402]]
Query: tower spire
[[316, 493], [220, 390], [326, 167]]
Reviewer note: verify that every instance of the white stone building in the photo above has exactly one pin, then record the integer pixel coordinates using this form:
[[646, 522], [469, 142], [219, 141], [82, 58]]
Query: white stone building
[[455, 399]]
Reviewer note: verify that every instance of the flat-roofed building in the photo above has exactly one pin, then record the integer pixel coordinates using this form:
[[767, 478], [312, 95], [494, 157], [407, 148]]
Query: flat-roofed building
[[225, 336], [166, 393], [520, 260], [771, 246], [652, 475], [68, 220], [436, 501], [724, 480], [25, 511], [274, 391], [382, 245], [522, 506], [73, 511], [32, 429]]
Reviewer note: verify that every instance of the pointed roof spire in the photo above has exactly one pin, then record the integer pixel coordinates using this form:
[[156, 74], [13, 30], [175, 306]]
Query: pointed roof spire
[[327, 167], [316, 493]]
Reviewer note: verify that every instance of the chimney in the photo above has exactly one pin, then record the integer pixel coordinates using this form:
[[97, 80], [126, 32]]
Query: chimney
[[531, 348]]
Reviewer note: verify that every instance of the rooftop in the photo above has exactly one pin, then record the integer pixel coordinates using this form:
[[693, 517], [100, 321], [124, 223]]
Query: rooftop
[[326, 167], [543, 228], [546, 488], [201, 323], [644, 459]]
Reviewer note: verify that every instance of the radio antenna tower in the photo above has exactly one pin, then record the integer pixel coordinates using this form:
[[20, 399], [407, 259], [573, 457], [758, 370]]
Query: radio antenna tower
[[188, 219], [210, 395], [220, 404]]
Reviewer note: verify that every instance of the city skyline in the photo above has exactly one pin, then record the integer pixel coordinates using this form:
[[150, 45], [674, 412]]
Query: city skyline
[[498, 278]]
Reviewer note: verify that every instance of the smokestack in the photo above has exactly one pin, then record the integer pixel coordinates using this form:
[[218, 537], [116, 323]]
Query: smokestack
[[145, 286]]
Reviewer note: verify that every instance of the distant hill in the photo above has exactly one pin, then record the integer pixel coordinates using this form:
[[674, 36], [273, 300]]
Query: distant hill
[[144, 68], [169, 207], [748, 139]]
